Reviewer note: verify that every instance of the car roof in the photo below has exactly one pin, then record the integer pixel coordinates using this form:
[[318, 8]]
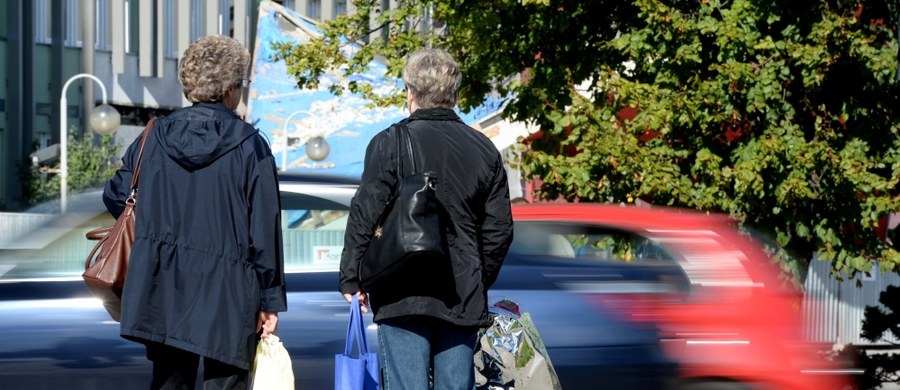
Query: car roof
[[643, 217], [340, 189], [316, 191], [317, 178], [709, 241]]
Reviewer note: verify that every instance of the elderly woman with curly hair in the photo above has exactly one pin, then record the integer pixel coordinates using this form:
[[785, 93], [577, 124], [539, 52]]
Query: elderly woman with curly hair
[[206, 277]]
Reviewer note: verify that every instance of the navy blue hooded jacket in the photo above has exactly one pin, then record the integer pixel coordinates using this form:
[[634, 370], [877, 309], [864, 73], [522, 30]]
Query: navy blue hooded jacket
[[208, 248]]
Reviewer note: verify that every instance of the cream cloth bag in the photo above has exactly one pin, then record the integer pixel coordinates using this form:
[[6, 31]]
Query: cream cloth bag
[[272, 366]]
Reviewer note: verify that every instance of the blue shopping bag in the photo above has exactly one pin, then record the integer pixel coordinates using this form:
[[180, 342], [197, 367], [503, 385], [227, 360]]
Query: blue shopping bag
[[360, 372]]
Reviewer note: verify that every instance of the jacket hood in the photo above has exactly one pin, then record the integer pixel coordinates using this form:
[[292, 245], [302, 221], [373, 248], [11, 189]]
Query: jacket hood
[[198, 135]]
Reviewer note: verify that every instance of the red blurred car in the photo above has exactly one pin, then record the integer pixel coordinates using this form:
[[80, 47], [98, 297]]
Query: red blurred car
[[723, 315]]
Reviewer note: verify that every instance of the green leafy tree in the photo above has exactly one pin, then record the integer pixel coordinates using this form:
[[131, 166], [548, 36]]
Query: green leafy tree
[[90, 166], [781, 113]]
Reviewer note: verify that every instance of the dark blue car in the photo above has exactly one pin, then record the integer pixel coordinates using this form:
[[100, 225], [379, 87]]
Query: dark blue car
[[54, 334]]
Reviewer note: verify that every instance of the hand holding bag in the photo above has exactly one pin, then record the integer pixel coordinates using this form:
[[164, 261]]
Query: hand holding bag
[[409, 229], [104, 270], [361, 372], [272, 369]]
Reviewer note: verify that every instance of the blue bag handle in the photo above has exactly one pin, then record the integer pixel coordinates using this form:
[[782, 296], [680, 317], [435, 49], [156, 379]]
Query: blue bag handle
[[355, 330]]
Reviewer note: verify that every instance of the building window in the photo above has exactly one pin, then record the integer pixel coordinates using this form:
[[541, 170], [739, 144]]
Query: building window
[[103, 39], [197, 12], [132, 28], [340, 7], [314, 9], [225, 20], [43, 138], [289, 4], [43, 31], [73, 24], [169, 21]]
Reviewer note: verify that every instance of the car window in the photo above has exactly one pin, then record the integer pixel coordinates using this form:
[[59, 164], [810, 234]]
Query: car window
[[313, 233], [639, 255], [56, 249], [313, 239], [585, 242]]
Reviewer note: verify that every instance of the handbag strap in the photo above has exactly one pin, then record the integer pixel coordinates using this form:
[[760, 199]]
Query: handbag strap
[[403, 132], [137, 166], [355, 330]]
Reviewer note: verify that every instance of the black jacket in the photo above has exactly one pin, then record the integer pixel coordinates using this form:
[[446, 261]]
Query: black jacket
[[472, 188], [207, 254]]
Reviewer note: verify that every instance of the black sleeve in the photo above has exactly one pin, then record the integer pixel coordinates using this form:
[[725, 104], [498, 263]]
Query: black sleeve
[[497, 229], [378, 180]]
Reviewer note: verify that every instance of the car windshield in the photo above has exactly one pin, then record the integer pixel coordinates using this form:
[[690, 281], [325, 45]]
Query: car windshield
[[46, 245]]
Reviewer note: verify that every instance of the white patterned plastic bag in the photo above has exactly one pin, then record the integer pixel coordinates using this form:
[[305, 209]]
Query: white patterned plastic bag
[[510, 354]]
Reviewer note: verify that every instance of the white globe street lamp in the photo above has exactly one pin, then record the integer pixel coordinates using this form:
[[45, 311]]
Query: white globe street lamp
[[317, 148], [104, 119]]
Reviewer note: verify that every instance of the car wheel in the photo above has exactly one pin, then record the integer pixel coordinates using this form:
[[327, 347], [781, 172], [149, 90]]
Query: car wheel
[[717, 385]]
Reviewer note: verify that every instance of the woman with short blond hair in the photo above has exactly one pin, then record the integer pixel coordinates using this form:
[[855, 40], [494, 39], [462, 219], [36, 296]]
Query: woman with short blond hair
[[206, 275]]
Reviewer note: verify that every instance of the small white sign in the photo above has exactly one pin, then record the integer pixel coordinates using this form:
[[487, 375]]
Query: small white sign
[[327, 254]]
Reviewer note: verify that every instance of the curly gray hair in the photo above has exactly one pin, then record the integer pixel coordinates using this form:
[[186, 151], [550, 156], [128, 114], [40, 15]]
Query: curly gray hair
[[211, 66], [433, 77]]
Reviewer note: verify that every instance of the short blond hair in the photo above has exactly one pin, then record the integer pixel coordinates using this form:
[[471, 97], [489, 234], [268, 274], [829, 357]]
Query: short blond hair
[[433, 77], [211, 66]]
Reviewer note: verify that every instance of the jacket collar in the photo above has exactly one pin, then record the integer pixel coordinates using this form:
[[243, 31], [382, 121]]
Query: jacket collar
[[218, 106], [434, 114]]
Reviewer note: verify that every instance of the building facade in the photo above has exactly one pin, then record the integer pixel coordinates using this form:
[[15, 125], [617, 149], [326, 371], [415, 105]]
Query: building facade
[[320, 9], [132, 46]]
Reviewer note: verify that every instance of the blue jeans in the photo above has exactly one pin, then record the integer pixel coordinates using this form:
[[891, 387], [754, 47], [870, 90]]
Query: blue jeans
[[411, 346]]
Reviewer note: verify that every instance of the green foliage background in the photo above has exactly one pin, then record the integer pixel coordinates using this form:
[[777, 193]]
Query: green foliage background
[[90, 167], [781, 113]]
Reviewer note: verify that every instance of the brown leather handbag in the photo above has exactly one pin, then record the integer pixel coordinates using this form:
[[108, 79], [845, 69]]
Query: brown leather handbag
[[104, 270]]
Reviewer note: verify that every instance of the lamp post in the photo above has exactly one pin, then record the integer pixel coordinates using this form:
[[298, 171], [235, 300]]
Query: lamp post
[[316, 147], [284, 135], [104, 119]]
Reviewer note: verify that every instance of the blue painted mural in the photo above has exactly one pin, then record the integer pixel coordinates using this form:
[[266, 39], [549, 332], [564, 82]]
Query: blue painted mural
[[289, 116]]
